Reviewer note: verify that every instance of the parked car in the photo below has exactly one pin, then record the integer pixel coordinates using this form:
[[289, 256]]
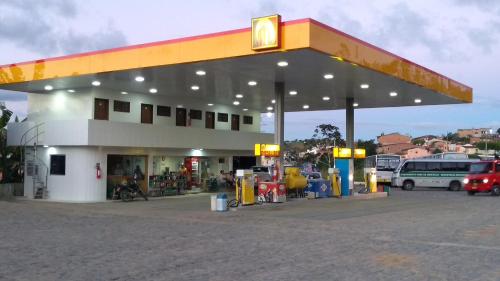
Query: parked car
[[483, 176], [313, 175]]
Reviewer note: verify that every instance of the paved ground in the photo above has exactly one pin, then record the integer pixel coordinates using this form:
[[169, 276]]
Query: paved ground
[[419, 235]]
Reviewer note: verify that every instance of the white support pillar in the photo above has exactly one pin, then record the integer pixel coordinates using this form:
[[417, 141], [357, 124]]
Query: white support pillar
[[349, 122], [279, 121]]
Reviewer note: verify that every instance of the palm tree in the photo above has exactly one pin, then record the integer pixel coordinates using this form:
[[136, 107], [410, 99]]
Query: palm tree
[[9, 157]]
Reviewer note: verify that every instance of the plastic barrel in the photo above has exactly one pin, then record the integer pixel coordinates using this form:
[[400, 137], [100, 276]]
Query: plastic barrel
[[221, 202], [213, 203]]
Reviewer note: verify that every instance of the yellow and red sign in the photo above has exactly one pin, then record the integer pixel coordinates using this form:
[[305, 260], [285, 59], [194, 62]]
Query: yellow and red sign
[[269, 150], [266, 33], [342, 152]]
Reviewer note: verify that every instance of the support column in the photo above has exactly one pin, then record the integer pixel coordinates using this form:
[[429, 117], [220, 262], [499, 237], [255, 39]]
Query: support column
[[349, 122], [279, 121]]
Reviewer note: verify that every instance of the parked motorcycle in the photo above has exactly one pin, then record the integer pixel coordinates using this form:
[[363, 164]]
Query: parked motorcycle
[[129, 191]]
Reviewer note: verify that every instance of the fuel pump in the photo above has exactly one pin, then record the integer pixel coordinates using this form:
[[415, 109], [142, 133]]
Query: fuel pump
[[336, 181], [273, 191], [371, 180], [245, 187]]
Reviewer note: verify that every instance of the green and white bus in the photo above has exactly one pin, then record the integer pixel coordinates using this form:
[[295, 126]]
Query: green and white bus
[[431, 173]]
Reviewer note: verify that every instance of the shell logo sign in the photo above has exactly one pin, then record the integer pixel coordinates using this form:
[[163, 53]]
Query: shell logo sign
[[269, 150], [359, 153], [266, 32]]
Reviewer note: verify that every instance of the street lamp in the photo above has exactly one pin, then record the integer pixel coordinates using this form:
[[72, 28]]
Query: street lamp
[[490, 131]]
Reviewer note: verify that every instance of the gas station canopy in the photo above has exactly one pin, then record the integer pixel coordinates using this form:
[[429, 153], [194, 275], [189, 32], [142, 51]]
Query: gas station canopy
[[319, 66]]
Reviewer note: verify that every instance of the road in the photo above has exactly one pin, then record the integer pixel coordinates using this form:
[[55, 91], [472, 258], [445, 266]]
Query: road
[[418, 235]]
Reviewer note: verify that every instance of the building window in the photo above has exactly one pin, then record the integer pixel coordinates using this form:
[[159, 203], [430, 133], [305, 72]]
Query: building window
[[121, 106], [195, 114], [222, 117], [58, 165], [163, 110], [248, 120]]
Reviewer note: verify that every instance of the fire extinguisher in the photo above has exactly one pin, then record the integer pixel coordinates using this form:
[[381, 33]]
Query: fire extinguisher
[[98, 170]]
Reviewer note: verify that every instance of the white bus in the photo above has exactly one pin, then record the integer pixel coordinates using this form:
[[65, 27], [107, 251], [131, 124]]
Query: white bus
[[385, 164], [431, 173]]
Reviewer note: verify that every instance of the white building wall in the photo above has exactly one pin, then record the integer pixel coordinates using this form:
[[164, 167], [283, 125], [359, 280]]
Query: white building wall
[[79, 184], [61, 105]]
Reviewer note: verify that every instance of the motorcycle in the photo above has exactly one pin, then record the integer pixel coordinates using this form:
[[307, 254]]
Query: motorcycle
[[129, 191]]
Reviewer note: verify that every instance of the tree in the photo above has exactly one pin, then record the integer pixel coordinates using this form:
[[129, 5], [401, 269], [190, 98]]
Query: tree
[[437, 150], [325, 137], [9, 157], [498, 131]]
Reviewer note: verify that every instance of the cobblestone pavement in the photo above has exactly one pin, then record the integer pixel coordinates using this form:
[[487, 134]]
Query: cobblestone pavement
[[418, 235]]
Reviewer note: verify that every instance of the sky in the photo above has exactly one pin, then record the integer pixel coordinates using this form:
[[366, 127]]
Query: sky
[[457, 38]]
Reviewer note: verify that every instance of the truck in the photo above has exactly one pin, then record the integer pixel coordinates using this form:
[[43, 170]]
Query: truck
[[483, 176]]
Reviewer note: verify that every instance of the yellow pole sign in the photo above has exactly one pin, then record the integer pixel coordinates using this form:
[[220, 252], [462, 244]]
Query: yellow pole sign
[[343, 152], [269, 150], [266, 33]]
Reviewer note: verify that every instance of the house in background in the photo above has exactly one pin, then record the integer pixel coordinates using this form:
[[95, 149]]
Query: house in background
[[393, 138], [415, 152]]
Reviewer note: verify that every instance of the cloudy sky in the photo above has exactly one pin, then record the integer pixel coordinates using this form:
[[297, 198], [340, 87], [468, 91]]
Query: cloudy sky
[[458, 38]]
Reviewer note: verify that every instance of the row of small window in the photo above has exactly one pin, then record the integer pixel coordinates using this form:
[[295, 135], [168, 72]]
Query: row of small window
[[436, 166], [161, 110]]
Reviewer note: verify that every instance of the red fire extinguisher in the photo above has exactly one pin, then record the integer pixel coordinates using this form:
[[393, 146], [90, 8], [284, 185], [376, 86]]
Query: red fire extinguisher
[[98, 170]]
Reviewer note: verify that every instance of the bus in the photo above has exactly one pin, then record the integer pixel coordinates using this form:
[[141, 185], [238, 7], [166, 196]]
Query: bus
[[431, 173], [385, 164]]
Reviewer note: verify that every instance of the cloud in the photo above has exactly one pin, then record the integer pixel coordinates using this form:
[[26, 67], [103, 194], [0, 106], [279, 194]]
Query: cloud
[[41, 27]]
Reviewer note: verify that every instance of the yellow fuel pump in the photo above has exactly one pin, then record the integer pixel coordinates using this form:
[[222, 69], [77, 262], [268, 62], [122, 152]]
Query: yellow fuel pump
[[335, 178], [371, 180], [245, 187]]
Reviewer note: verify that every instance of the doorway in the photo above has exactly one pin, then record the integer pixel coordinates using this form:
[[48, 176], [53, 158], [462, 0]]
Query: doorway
[[101, 109], [235, 122], [146, 113], [180, 117], [210, 120]]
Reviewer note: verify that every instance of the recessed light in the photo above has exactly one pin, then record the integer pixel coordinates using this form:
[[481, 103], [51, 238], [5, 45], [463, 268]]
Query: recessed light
[[245, 109], [124, 93], [393, 94], [326, 98], [239, 96], [210, 104], [418, 100], [180, 106], [269, 114], [364, 86], [236, 102], [282, 63], [269, 108], [293, 93], [305, 106], [328, 76], [355, 104], [96, 83], [153, 91], [48, 88], [195, 87], [45, 146], [139, 79], [200, 72], [273, 101], [71, 91], [252, 83]]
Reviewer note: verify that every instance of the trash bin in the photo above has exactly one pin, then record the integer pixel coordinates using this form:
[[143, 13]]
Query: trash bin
[[387, 188]]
